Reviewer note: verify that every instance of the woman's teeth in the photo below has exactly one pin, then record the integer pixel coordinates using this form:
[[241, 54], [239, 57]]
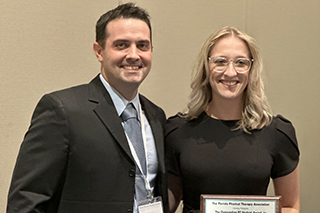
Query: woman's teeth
[[229, 83]]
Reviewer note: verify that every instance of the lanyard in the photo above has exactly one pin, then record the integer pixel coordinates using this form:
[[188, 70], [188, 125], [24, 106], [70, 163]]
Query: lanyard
[[135, 156]]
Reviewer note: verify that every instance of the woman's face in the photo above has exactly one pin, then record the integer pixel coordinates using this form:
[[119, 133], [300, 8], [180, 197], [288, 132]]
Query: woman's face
[[228, 85]]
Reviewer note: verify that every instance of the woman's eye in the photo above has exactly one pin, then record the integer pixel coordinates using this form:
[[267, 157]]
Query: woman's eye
[[241, 62], [220, 62]]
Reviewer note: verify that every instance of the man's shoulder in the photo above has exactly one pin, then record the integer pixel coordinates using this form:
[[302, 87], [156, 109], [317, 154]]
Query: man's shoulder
[[148, 105], [71, 89], [147, 102], [80, 90], [69, 94]]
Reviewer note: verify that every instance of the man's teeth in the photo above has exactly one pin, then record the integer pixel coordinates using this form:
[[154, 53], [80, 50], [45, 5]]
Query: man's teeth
[[131, 67], [228, 83]]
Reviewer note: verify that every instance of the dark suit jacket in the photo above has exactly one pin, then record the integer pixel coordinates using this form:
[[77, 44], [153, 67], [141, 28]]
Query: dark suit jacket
[[75, 156]]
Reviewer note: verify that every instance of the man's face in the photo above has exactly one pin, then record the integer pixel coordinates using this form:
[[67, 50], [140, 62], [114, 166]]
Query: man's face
[[126, 58]]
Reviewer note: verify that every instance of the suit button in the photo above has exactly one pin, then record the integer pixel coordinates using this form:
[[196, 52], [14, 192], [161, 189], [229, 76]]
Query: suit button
[[129, 210], [132, 173]]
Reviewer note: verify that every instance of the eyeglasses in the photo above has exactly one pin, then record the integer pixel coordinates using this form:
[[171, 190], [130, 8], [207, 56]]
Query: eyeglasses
[[241, 65]]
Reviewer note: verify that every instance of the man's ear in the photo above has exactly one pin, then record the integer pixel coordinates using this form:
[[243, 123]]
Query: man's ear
[[98, 51]]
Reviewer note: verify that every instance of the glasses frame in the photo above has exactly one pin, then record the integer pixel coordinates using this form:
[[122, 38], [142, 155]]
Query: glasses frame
[[231, 61]]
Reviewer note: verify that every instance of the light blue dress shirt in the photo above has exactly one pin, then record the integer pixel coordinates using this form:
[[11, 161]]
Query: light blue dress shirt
[[152, 161]]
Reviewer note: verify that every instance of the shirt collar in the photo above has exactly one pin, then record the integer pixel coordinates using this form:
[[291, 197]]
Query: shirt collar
[[118, 100]]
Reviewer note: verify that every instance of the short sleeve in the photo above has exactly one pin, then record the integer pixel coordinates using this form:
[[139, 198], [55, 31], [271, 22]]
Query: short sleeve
[[285, 151], [172, 136]]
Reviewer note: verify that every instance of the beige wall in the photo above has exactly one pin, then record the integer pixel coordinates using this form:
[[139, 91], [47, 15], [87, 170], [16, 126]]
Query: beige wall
[[47, 45]]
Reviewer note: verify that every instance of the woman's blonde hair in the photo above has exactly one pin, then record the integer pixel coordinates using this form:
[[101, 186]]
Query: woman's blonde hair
[[256, 111]]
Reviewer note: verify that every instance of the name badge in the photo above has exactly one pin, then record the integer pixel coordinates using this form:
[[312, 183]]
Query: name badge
[[153, 205]]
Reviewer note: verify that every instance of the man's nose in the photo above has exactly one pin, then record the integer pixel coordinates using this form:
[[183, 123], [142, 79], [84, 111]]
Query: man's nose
[[133, 53]]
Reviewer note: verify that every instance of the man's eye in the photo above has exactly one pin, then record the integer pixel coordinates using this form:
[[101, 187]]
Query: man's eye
[[143, 46], [121, 45]]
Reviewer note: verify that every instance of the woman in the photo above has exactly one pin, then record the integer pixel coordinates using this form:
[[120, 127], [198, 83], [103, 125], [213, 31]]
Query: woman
[[228, 142]]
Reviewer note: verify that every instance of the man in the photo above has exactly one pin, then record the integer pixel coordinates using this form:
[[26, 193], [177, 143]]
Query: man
[[77, 155]]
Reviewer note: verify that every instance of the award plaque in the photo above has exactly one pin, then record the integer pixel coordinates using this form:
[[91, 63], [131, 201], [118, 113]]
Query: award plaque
[[240, 204]]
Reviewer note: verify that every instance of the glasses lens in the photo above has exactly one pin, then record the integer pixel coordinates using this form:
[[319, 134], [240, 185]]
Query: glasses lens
[[220, 64], [242, 64]]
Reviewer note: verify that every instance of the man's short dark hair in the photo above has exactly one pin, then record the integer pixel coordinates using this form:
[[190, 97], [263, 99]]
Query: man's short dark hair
[[126, 11]]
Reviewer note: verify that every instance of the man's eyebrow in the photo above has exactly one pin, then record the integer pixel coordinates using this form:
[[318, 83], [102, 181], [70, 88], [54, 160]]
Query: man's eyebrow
[[120, 40], [126, 41], [144, 41]]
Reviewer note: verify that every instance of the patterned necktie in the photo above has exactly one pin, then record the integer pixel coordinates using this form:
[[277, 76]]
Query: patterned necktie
[[133, 129]]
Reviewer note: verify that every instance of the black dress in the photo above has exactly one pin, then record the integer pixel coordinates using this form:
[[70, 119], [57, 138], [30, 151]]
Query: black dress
[[211, 158]]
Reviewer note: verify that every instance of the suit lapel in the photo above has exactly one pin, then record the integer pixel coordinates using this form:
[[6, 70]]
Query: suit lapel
[[106, 111], [156, 127]]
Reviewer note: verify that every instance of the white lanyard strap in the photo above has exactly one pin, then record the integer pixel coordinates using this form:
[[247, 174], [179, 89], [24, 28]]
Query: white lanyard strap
[[135, 156]]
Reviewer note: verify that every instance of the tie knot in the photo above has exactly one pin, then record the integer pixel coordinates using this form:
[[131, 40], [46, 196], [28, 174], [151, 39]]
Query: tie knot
[[129, 112]]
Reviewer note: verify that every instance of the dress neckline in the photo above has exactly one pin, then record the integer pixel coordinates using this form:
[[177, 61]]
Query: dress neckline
[[217, 119]]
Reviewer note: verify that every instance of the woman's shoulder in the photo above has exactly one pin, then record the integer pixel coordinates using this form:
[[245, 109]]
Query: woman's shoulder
[[283, 146], [175, 121], [283, 126]]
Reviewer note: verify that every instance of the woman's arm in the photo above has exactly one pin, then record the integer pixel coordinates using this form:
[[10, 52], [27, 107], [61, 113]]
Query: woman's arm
[[289, 188], [174, 192]]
